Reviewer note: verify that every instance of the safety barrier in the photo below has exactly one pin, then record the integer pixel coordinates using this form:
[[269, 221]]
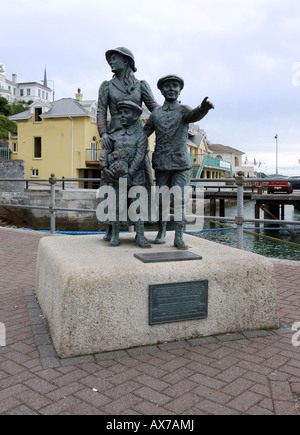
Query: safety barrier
[[239, 182]]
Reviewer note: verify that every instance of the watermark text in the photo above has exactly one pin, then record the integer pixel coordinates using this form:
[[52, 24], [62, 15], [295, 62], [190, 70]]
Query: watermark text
[[296, 75], [296, 336], [2, 335], [136, 203]]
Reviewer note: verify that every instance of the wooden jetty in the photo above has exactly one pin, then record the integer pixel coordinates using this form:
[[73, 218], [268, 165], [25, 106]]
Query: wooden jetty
[[273, 205]]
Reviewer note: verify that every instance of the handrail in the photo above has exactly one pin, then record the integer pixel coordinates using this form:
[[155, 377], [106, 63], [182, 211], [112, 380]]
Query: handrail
[[206, 180], [240, 182]]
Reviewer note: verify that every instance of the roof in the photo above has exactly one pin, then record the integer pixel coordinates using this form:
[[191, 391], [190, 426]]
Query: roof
[[23, 115], [196, 140], [218, 148], [64, 108], [33, 83]]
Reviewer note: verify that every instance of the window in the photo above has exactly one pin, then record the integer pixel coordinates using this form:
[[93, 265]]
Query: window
[[34, 172], [37, 151], [39, 93], [28, 91], [21, 92], [15, 147], [37, 114]]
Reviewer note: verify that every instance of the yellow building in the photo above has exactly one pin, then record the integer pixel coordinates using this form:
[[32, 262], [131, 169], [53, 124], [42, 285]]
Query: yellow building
[[61, 138]]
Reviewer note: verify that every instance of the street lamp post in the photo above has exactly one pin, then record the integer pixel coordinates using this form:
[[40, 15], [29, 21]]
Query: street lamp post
[[276, 137]]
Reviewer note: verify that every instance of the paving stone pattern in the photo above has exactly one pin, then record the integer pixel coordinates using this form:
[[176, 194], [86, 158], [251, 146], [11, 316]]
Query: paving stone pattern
[[239, 374]]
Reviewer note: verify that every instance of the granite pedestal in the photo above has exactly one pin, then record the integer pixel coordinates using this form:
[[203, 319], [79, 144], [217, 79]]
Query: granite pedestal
[[95, 297]]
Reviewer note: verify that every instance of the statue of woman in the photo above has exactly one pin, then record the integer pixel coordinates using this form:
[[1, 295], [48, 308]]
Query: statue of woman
[[123, 86]]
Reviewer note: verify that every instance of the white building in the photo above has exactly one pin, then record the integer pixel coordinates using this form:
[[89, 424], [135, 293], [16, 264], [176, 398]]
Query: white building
[[15, 91], [233, 156]]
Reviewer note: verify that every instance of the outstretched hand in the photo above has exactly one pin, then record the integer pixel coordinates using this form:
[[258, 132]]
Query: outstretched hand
[[206, 105]]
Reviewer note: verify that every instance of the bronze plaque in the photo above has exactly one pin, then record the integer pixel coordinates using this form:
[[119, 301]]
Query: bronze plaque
[[178, 302], [161, 257]]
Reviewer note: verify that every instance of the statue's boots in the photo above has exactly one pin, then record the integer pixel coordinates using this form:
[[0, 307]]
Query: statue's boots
[[114, 240], [162, 229], [108, 233], [178, 241], [140, 239]]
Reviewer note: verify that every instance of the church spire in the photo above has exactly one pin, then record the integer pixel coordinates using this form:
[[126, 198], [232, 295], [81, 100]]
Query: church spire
[[45, 78]]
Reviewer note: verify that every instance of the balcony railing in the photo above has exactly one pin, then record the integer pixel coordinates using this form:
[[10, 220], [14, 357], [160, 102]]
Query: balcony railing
[[209, 161], [92, 155], [4, 153]]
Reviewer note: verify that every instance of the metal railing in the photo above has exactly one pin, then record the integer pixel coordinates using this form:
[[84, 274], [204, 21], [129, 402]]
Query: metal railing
[[4, 153], [92, 155], [198, 159], [239, 182]]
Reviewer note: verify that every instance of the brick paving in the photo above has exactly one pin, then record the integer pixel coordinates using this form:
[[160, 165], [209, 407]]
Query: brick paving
[[254, 373]]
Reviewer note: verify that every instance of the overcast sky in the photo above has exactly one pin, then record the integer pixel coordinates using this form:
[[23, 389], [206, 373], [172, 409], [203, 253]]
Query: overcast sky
[[243, 54]]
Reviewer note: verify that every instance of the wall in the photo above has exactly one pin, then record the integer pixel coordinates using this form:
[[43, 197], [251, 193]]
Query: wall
[[40, 219], [12, 169]]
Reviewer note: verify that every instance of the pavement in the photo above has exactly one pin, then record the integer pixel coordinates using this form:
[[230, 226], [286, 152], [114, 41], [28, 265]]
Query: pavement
[[248, 373]]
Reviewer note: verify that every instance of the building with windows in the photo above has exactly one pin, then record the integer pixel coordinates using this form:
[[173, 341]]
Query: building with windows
[[60, 137], [234, 157], [205, 165], [15, 91]]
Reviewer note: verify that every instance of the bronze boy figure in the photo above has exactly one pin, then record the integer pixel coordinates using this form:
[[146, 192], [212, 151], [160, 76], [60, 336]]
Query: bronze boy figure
[[171, 159], [124, 157]]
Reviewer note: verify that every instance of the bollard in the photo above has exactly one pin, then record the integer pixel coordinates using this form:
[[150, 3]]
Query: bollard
[[239, 220], [52, 182]]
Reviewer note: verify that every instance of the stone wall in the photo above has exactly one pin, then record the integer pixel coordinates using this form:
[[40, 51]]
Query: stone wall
[[12, 169], [40, 219]]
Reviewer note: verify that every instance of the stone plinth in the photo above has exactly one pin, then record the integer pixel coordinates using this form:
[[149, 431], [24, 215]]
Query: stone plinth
[[96, 297]]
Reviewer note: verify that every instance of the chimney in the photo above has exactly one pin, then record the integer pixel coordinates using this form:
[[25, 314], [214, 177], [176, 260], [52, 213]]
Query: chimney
[[79, 95], [14, 78]]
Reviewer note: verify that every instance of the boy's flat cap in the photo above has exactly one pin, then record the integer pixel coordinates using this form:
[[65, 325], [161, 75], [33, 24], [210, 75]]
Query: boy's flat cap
[[170, 77], [130, 105]]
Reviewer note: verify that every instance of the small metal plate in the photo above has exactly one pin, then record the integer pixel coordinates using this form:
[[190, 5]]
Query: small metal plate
[[161, 257], [177, 302]]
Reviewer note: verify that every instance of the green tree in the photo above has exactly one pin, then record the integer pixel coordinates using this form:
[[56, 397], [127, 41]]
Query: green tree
[[20, 106], [5, 108], [6, 126]]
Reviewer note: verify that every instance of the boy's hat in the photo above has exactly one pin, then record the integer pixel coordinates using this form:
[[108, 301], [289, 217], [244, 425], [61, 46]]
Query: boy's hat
[[130, 105], [124, 52], [170, 77]]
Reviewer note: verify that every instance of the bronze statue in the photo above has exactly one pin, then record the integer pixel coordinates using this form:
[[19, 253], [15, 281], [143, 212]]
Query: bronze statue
[[123, 86], [125, 155], [171, 159]]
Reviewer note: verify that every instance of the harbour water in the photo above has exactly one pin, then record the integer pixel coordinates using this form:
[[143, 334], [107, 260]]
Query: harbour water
[[271, 242]]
